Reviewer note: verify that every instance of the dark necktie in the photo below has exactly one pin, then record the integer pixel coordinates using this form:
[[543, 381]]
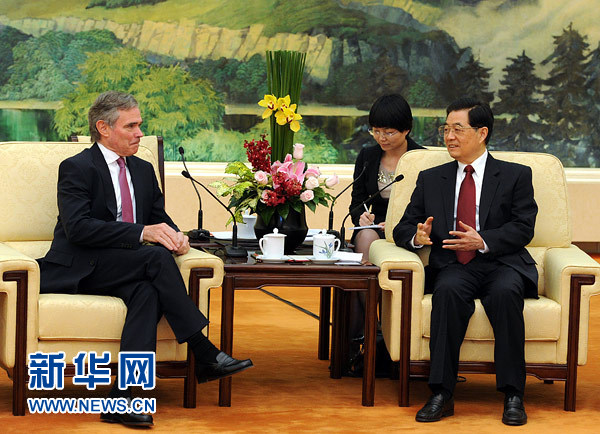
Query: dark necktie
[[126, 206], [465, 211]]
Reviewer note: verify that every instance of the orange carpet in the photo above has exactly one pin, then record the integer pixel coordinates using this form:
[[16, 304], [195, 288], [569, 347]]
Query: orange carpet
[[289, 389]]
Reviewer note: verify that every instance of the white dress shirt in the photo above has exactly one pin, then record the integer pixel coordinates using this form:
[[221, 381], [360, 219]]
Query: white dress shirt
[[111, 158]]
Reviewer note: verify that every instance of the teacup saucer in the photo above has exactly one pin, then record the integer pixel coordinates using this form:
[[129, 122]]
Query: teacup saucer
[[323, 260], [271, 260]]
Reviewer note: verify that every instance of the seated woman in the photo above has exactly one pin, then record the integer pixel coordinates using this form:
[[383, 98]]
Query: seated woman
[[390, 122]]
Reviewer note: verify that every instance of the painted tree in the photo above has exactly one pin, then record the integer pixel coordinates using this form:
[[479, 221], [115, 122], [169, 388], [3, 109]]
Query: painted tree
[[565, 110], [172, 104], [9, 37], [473, 80], [518, 98], [47, 67], [592, 85]]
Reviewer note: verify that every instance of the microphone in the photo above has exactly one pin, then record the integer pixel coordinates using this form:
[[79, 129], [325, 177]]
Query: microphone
[[330, 227], [196, 234], [364, 202], [234, 250]]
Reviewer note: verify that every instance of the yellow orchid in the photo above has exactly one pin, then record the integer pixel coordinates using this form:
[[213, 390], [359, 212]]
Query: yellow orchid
[[284, 103], [271, 104], [288, 116]]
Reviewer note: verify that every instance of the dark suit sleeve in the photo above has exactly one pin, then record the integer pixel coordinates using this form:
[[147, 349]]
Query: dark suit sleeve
[[74, 196], [518, 231], [359, 190], [414, 214]]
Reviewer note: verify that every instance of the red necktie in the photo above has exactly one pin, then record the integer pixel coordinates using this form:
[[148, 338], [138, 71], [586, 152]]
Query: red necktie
[[465, 211], [126, 206]]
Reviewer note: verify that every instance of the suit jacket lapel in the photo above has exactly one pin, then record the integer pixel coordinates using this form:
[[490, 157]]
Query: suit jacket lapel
[[109, 190], [488, 189], [138, 186], [448, 185]]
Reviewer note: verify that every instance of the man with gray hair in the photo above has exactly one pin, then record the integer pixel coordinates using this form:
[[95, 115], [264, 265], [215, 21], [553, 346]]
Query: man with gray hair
[[113, 237]]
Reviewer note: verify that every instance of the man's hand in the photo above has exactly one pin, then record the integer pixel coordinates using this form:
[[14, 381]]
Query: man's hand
[[165, 235], [366, 219], [464, 241], [185, 245], [423, 233]]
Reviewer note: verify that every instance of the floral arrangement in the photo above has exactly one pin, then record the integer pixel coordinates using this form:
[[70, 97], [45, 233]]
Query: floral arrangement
[[268, 187]]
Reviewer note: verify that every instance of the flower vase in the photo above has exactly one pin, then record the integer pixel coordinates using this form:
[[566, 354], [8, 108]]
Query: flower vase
[[294, 227]]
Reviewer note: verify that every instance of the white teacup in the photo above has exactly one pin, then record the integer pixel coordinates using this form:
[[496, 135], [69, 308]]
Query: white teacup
[[246, 229], [325, 245], [272, 245]]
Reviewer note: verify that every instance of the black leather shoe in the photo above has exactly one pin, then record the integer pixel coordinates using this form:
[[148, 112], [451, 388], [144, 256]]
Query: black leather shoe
[[514, 411], [223, 367], [128, 419], [435, 409]]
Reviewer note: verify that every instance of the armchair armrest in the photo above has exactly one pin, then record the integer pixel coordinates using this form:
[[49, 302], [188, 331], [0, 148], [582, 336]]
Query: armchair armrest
[[20, 281], [388, 257], [562, 263], [198, 259], [571, 278]]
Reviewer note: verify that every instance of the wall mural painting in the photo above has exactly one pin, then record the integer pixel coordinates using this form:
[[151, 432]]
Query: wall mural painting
[[198, 69]]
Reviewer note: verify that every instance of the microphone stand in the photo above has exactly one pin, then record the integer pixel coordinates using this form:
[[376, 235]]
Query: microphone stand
[[196, 234], [344, 246], [330, 229], [234, 250]]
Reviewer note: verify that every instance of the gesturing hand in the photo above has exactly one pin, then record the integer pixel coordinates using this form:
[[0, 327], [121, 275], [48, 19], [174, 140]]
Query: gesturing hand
[[464, 241], [423, 233]]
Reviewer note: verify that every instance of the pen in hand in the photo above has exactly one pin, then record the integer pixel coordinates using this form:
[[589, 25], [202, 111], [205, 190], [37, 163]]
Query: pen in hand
[[367, 210]]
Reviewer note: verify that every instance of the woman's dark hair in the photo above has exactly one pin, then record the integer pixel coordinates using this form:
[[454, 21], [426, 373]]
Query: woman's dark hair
[[480, 114], [391, 111]]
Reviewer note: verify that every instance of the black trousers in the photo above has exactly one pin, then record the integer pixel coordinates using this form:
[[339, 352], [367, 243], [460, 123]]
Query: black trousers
[[149, 282], [500, 289]]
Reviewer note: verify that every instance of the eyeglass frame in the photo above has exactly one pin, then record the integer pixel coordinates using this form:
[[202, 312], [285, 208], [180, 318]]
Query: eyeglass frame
[[382, 134], [444, 130]]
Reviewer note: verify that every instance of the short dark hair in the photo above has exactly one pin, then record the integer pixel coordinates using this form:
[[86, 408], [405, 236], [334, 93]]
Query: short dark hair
[[480, 114], [106, 108], [391, 111]]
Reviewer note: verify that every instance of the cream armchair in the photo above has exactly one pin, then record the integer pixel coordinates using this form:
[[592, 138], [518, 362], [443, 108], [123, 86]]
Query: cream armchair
[[556, 325], [30, 321]]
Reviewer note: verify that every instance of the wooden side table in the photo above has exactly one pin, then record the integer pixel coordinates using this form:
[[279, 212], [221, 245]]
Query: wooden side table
[[342, 278]]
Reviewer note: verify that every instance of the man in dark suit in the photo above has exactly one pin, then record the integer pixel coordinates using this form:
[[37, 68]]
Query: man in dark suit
[[477, 214], [113, 237]]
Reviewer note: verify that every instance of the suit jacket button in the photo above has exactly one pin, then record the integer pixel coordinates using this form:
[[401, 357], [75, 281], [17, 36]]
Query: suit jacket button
[[92, 262]]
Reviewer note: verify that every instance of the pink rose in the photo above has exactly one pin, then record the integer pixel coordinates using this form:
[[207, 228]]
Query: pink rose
[[311, 183], [307, 196], [298, 151], [261, 177], [332, 180], [264, 196], [313, 171]]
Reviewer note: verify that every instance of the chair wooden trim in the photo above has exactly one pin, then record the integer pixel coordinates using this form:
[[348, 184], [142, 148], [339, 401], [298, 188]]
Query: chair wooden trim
[[543, 371]]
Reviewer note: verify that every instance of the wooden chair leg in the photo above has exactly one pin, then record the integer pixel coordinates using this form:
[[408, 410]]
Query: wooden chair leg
[[189, 384]]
